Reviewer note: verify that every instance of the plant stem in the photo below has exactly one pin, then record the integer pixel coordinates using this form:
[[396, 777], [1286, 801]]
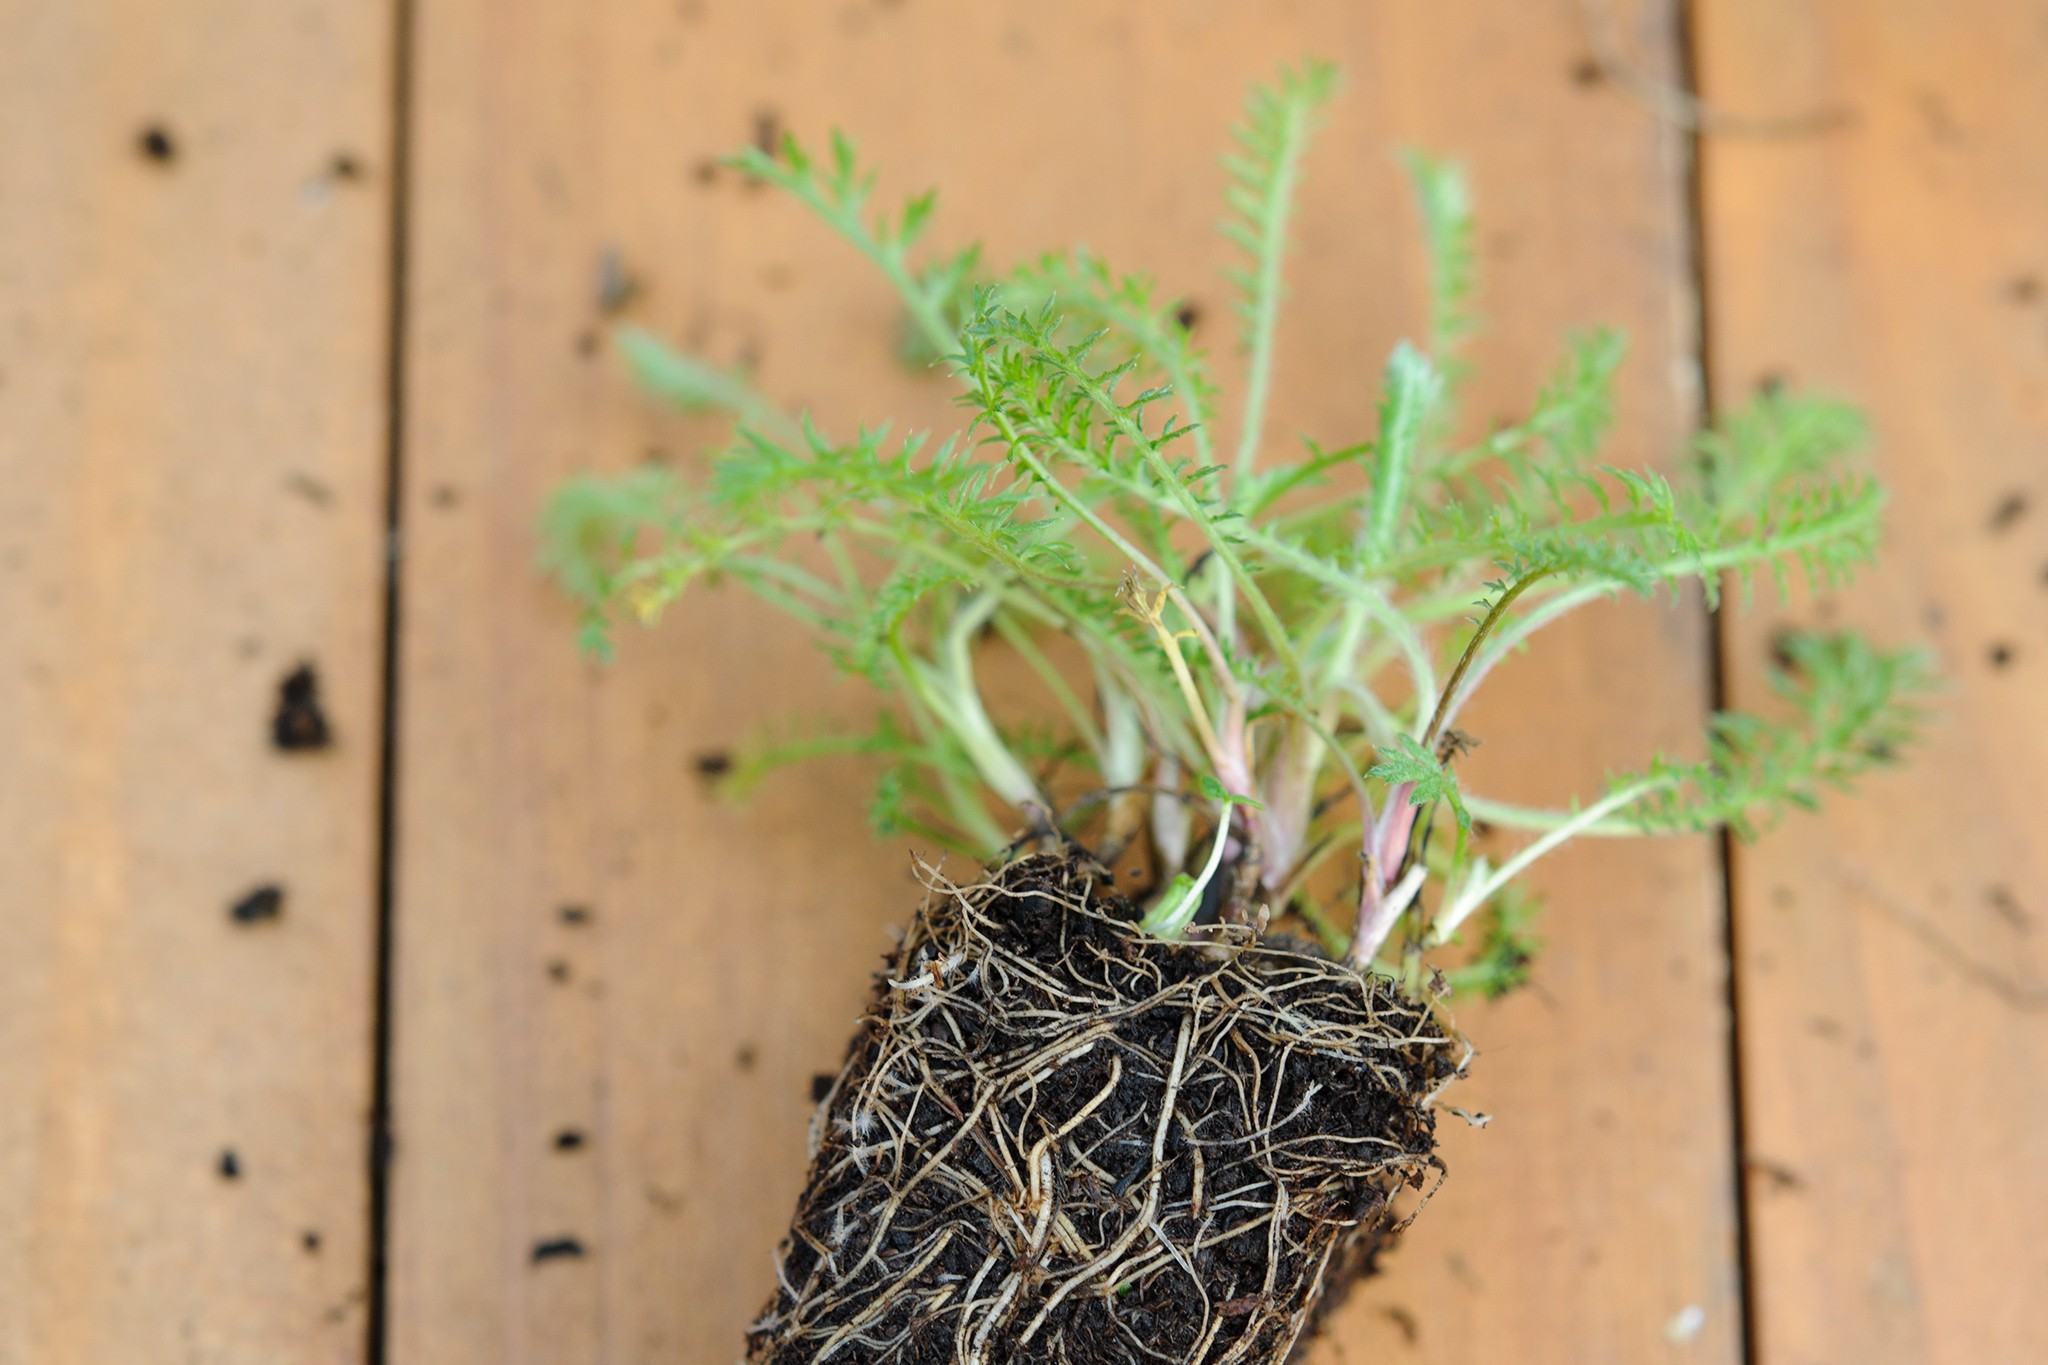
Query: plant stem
[[1168, 920], [1019, 639], [1198, 711], [1504, 815], [951, 696], [1379, 913], [1481, 886], [1492, 618]]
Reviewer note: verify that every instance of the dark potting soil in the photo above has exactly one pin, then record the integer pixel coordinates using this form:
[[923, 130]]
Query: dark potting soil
[[260, 904], [156, 144], [1057, 1139], [300, 723], [557, 1249]]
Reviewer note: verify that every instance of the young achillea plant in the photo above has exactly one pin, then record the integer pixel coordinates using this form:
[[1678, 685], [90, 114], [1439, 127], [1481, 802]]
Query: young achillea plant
[[1077, 1127]]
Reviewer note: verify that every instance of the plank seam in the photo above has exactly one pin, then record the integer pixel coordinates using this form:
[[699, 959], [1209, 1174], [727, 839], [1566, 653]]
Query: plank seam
[[1687, 18], [377, 1299]]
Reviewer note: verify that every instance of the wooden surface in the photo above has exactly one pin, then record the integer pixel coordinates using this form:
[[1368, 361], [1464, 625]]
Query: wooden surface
[[192, 460], [192, 358], [1894, 981]]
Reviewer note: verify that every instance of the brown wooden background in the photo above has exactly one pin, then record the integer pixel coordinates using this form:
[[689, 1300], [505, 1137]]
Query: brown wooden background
[[372, 256]]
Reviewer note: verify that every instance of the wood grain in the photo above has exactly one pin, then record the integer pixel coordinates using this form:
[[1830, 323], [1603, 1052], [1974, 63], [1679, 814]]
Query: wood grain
[[192, 357], [1894, 985], [727, 950]]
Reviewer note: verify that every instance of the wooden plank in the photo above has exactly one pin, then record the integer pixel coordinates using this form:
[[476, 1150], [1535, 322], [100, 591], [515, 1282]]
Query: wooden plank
[[727, 950], [192, 359], [1892, 975]]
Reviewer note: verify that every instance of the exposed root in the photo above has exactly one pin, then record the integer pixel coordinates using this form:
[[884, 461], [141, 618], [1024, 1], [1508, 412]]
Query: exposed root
[[1056, 1139]]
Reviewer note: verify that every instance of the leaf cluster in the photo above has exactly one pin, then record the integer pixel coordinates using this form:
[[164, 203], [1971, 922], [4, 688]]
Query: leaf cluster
[[1208, 613]]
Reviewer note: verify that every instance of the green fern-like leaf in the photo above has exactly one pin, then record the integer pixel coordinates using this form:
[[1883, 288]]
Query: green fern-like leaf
[[1272, 141], [1850, 708], [1445, 204], [1289, 641], [1426, 777]]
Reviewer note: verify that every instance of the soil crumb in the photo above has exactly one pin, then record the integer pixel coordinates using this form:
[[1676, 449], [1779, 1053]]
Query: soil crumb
[[261, 905], [617, 286], [557, 1249], [1776, 1174], [2010, 509], [300, 724], [155, 143], [309, 488]]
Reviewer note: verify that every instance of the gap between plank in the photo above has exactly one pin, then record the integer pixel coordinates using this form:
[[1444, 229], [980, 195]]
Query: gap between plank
[[376, 1314], [1686, 16]]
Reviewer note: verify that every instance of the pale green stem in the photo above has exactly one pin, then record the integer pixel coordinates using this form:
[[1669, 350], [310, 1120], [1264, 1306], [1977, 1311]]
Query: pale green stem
[[1482, 885], [1226, 602], [1020, 640], [1344, 653], [1381, 724], [1378, 914], [1505, 815], [963, 806], [951, 696], [842, 560], [1174, 913], [788, 574], [1315, 726], [1231, 762], [1414, 650], [1123, 733]]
